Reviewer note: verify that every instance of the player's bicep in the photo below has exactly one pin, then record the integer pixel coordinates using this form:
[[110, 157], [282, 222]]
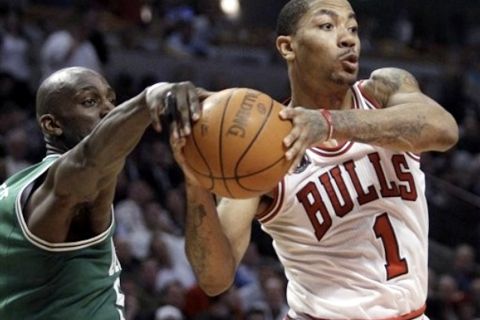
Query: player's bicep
[[392, 87], [236, 216], [77, 177]]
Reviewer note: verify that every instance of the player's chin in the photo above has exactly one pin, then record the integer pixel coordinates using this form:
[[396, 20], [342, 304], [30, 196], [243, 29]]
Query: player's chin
[[345, 78]]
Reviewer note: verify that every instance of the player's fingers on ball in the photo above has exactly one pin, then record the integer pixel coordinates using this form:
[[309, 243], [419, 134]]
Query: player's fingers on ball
[[155, 117], [287, 113], [293, 151], [194, 102], [174, 131], [183, 107], [291, 137]]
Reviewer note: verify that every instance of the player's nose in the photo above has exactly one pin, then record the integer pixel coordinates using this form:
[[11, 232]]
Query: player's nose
[[106, 108], [346, 39]]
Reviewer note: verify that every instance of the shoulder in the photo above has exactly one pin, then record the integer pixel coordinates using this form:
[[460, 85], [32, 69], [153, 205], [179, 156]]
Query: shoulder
[[385, 82]]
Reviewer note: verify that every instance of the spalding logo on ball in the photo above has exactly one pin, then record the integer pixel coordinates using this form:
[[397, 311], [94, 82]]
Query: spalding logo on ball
[[236, 149]]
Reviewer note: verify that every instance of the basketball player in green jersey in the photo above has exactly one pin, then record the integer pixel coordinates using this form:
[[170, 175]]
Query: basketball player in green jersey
[[57, 260]]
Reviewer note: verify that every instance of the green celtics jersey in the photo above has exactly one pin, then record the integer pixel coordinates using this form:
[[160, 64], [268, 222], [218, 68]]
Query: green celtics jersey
[[49, 281]]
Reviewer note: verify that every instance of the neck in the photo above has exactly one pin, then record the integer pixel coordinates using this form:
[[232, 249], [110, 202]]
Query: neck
[[54, 147], [333, 98]]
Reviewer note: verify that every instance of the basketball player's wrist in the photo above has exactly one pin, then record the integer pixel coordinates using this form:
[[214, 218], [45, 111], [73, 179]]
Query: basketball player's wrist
[[329, 122]]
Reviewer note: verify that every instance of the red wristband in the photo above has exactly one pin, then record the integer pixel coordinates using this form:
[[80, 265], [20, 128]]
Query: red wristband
[[328, 117]]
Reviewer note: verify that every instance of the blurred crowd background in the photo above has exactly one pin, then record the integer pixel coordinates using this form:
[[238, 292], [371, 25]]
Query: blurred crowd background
[[219, 44]]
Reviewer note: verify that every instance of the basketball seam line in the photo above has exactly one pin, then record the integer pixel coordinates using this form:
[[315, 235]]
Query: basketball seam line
[[220, 145]]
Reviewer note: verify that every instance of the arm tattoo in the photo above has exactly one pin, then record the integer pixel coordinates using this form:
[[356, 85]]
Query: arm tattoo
[[198, 251], [386, 82], [391, 133]]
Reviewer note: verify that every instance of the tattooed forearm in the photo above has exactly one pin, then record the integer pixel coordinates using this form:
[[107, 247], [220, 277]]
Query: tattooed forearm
[[196, 250], [382, 130]]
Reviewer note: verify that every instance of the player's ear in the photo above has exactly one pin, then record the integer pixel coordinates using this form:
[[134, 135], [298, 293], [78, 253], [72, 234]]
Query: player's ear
[[50, 125], [284, 47]]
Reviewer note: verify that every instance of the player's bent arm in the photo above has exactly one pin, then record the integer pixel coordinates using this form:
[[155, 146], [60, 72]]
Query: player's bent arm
[[407, 121], [216, 238]]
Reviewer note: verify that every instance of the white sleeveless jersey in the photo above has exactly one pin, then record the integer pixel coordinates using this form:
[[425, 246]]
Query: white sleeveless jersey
[[351, 230]]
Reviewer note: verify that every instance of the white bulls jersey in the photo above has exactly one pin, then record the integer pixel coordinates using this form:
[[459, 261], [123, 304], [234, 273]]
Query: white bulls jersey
[[351, 229]]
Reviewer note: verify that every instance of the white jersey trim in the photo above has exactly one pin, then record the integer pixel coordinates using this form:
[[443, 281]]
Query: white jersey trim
[[48, 246], [276, 205]]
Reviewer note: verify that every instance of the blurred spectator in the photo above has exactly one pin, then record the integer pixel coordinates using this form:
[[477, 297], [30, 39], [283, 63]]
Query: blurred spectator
[[258, 311], [16, 143], [16, 55], [247, 272], [196, 302], [158, 219], [159, 169], [475, 295], [274, 290], [70, 46], [168, 313], [176, 250], [130, 264], [168, 252], [175, 204], [443, 305], [255, 291], [129, 217], [148, 297], [189, 37], [131, 291], [464, 268], [226, 306], [173, 293]]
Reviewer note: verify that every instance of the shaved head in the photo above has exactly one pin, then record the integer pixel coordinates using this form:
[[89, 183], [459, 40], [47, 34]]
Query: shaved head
[[57, 87], [70, 103]]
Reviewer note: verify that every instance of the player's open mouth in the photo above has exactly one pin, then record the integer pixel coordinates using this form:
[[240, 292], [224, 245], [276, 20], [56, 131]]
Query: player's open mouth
[[350, 62]]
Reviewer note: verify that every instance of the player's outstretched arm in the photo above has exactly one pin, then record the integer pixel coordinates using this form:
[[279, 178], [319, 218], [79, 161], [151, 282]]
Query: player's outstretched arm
[[86, 175], [407, 121]]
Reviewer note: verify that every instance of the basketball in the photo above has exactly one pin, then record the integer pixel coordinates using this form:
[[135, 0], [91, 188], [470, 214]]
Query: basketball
[[236, 149]]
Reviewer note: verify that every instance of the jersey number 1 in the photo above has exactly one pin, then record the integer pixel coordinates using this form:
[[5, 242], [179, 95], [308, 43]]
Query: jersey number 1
[[395, 266]]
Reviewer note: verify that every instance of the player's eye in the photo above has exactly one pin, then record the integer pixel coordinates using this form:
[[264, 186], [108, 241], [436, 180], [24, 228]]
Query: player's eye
[[326, 26], [90, 102]]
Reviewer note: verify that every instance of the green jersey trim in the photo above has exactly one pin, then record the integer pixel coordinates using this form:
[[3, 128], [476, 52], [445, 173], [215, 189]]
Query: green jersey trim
[[55, 247]]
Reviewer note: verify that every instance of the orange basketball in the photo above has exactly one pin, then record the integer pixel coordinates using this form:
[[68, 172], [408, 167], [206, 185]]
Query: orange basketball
[[236, 149]]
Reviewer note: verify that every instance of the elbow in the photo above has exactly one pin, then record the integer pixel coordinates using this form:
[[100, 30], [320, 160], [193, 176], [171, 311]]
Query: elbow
[[440, 136], [214, 278], [448, 134], [216, 283], [216, 288]]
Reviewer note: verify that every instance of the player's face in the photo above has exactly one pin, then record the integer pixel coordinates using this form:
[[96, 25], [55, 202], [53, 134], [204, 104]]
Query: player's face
[[88, 100], [326, 44]]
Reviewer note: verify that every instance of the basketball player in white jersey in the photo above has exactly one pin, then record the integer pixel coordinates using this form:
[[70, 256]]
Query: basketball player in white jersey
[[350, 222]]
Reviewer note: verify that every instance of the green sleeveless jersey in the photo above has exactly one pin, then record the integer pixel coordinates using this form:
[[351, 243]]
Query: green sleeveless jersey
[[49, 281]]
